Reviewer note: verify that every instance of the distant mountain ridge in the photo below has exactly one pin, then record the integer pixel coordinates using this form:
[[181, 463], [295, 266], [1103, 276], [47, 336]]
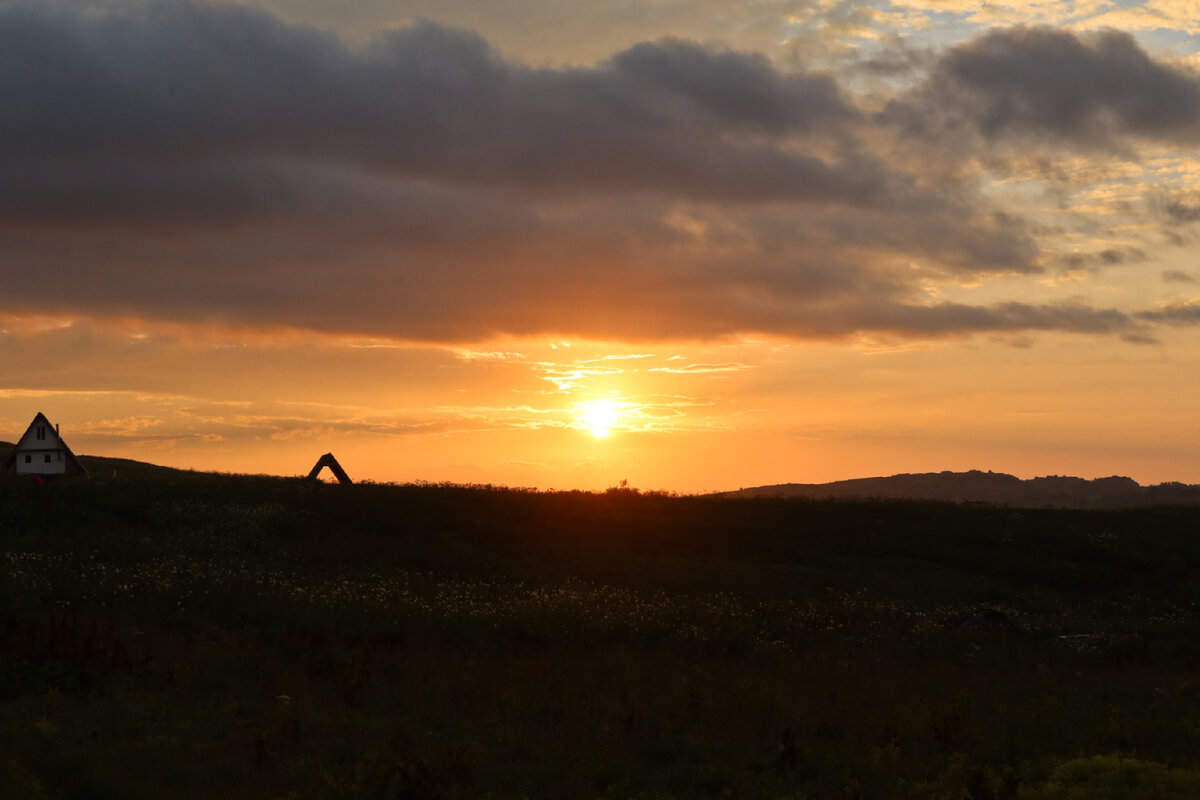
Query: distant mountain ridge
[[995, 488]]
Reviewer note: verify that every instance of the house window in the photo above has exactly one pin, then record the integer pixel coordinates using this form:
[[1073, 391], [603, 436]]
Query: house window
[[28, 459], [47, 458], [41, 432]]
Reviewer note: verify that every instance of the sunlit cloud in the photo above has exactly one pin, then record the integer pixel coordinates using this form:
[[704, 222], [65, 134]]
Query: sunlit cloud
[[488, 355], [698, 369]]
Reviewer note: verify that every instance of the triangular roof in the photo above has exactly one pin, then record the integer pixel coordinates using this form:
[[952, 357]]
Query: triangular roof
[[328, 460], [23, 445]]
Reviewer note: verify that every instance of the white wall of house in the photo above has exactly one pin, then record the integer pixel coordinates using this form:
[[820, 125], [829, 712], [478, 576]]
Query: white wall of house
[[41, 462], [39, 453]]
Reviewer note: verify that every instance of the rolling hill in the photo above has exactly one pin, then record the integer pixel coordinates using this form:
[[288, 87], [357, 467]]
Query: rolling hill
[[994, 488], [104, 466]]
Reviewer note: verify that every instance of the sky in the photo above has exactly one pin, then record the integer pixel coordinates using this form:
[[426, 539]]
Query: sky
[[689, 244]]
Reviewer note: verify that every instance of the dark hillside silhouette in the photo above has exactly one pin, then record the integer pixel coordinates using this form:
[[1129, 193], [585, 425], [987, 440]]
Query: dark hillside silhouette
[[101, 466], [451, 642], [994, 488]]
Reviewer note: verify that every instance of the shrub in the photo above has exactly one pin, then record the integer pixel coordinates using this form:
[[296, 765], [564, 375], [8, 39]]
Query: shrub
[[1116, 777]]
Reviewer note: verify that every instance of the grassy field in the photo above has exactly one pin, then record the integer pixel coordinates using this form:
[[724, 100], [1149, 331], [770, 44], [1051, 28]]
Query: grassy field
[[169, 634]]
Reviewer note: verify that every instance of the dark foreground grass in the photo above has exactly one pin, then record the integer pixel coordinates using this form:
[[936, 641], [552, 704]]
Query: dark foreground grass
[[188, 635]]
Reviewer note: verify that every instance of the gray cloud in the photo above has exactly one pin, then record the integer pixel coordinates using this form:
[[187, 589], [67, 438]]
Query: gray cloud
[[1039, 82], [1177, 276], [202, 162], [1177, 314], [1177, 209], [181, 79], [1111, 256], [741, 91], [952, 319]]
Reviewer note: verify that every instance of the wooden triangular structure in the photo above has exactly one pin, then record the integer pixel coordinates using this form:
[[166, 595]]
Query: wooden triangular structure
[[328, 460], [41, 451]]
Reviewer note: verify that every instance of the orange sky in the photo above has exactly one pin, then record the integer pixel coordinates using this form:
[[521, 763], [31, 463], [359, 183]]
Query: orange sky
[[694, 245]]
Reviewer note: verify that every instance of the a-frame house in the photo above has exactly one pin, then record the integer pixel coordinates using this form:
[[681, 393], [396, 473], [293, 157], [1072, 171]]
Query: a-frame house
[[41, 451]]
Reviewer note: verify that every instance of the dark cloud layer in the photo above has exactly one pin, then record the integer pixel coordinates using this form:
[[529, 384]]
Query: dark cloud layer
[[202, 161], [1180, 314], [188, 80], [1045, 83], [1176, 209]]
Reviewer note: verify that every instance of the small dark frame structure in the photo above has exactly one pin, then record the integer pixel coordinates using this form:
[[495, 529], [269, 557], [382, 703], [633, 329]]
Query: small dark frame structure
[[328, 460]]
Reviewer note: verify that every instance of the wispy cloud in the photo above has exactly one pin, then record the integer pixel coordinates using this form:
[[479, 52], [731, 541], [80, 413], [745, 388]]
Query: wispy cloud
[[698, 369]]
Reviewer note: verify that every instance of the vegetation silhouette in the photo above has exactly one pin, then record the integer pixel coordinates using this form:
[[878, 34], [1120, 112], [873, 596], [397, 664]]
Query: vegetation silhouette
[[191, 634]]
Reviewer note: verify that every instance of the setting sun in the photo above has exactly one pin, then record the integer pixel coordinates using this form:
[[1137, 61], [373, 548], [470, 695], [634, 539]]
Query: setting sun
[[599, 417]]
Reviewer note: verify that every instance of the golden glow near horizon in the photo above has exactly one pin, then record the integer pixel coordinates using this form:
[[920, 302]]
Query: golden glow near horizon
[[690, 417]]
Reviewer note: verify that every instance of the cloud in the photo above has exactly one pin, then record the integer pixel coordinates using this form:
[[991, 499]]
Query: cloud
[[951, 319], [209, 164], [1041, 83], [1179, 209], [586, 31], [700, 369], [1108, 257], [1177, 276], [1174, 15], [186, 80], [1174, 314]]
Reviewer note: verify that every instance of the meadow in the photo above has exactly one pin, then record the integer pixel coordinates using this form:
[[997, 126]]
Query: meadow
[[171, 634]]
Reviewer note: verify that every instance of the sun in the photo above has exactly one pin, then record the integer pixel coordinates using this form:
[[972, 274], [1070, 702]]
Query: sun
[[599, 417]]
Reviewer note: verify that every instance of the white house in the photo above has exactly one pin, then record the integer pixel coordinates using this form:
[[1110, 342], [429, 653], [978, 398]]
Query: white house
[[41, 451]]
